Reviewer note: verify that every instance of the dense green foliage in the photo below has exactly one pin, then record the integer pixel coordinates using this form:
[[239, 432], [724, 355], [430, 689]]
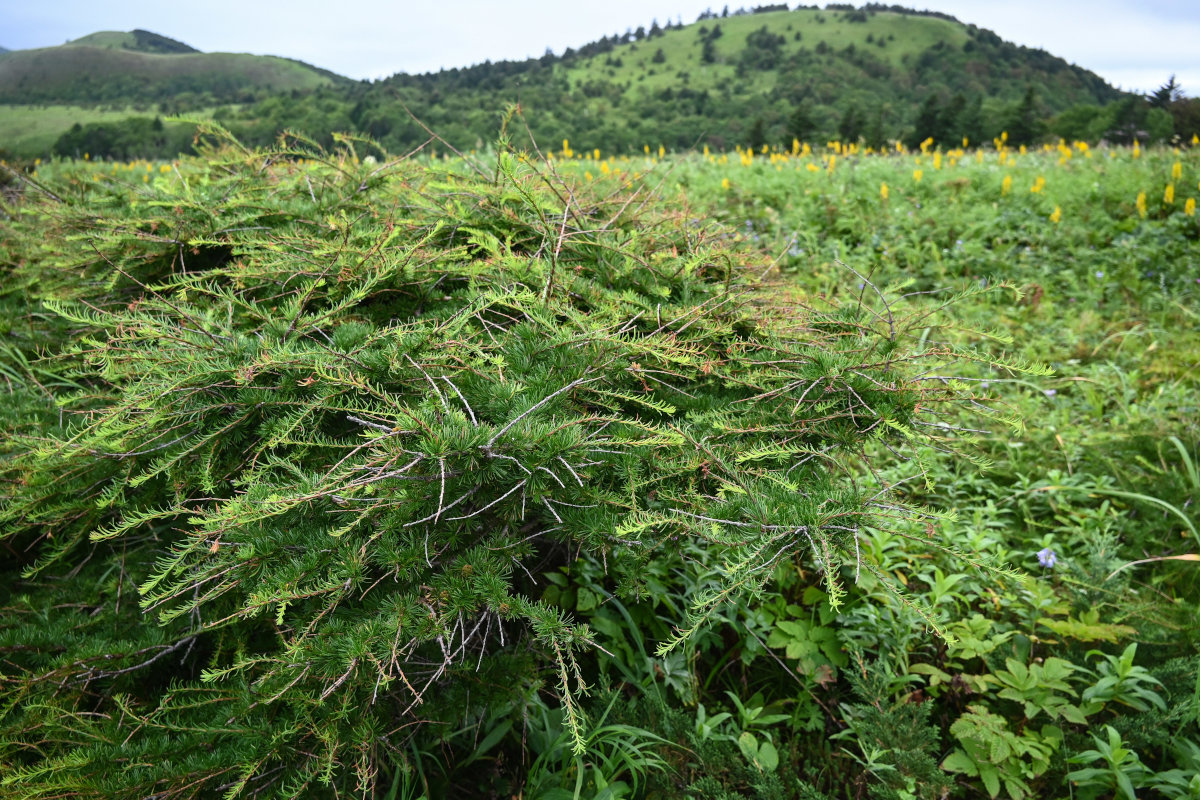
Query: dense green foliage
[[1084, 674], [1082, 681], [746, 78], [291, 492], [125, 140], [709, 83]]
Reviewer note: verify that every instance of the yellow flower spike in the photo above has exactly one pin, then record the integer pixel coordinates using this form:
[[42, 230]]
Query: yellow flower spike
[[1169, 194], [1189, 207], [1141, 204], [966, 143], [805, 150], [918, 174], [832, 162], [937, 160], [587, 175], [1137, 149], [596, 154], [662, 151], [978, 156], [1176, 171], [795, 146], [725, 184], [1004, 136], [87, 156], [813, 167], [706, 151], [883, 191], [1039, 183], [646, 148], [1006, 185], [1056, 215], [604, 167]]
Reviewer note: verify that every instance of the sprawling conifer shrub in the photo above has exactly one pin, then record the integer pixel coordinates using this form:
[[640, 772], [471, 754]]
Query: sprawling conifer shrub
[[321, 425]]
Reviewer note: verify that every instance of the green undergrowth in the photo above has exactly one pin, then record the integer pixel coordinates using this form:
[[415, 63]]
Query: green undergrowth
[[232, 390], [1082, 681], [319, 464]]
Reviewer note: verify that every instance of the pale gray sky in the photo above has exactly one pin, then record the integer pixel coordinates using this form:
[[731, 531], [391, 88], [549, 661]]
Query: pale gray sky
[[1135, 45]]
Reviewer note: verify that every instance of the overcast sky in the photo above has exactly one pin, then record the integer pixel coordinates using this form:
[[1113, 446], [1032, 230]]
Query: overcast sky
[[1135, 45]]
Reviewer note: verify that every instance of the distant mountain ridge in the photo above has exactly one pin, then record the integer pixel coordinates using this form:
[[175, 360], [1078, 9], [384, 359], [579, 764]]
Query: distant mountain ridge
[[140, 66], [754, 77], [137, 40], [750, 77]]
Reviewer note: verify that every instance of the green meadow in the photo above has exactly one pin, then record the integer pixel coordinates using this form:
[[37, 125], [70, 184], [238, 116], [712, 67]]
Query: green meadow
[[833, 473], [33, 128]]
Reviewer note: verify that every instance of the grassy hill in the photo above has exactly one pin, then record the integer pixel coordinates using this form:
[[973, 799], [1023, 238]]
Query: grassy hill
[[139, 66], [834, 58], [750, 78], [138, 40], [746, 78]]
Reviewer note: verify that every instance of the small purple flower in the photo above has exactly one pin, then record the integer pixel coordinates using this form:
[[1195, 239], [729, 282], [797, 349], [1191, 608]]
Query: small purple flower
[[1099, 274], [1047, 557], [1049, 392]]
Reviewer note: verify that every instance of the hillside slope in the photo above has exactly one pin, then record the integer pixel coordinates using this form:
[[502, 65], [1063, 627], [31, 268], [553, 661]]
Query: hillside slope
[[749, 78], [754, 77], [139, 66], [137, 40]]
